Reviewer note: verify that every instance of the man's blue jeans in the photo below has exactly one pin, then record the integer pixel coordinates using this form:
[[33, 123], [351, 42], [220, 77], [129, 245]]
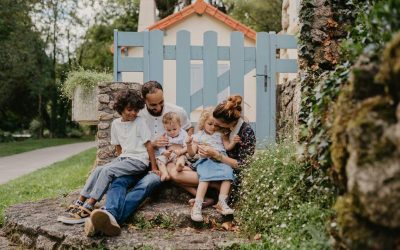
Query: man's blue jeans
[[121, 203]]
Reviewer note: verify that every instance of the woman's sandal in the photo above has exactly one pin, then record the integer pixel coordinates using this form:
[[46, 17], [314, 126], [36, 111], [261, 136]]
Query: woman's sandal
[[206, 203]]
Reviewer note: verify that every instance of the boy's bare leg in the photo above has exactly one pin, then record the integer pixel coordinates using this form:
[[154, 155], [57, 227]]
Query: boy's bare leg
[[180, 163], [164, 172]]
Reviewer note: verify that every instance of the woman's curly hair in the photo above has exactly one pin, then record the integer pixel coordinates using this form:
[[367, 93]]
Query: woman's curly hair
[[229, 110], [128, 99]]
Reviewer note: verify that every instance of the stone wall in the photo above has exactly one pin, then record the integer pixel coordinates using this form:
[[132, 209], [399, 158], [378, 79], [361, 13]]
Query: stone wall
[[106, 97], [288, 89]]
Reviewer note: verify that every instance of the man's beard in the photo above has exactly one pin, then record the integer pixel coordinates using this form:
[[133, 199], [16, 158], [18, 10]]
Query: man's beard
[[153, 113]]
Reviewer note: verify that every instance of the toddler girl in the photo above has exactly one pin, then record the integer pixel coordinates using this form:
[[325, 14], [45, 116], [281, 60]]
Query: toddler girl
[[209, 169], [176, 149]]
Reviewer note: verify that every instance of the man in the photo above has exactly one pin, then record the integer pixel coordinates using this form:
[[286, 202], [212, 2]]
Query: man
[[120, 204]]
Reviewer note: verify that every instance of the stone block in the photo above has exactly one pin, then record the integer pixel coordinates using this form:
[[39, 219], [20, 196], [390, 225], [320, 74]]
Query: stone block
[[104, 98], [45, 243], [85, 106], [103, 125]]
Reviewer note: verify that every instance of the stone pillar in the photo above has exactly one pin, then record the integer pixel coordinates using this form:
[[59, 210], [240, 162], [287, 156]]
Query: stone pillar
[[107, 92], [288, 89]]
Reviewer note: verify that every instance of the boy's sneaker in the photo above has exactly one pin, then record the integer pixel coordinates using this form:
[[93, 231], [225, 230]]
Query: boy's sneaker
[[195, 213], [76, 216], [90, 231], [223, 208], [105, 222]]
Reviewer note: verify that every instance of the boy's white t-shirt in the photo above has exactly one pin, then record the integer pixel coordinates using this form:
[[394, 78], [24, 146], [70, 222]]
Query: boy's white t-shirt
[[131, 136], [155, 124]]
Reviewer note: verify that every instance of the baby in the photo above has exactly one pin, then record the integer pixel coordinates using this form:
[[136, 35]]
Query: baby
[[176, 149]]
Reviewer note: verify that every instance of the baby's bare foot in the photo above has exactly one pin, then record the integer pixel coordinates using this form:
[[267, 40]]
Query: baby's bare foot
[[164, 177], [180, 166]]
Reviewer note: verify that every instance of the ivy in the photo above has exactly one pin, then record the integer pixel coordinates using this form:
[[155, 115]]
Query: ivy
[[374, 23]]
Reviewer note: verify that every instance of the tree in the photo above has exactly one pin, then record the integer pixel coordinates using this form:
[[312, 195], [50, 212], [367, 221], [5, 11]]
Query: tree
[[260, 15], [24, 68]]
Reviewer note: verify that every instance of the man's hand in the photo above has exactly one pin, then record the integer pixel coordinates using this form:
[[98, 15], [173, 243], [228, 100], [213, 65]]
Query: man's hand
[[162, 141]]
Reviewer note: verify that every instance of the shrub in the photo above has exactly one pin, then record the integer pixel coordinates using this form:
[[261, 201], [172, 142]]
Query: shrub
[[87, 79], [285, 200]]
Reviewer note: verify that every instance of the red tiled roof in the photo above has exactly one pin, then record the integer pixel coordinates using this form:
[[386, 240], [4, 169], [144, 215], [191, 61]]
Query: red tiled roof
[[200, 7]]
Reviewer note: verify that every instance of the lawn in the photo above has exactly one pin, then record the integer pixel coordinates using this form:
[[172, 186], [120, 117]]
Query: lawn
[[56, 180], [11, 148]]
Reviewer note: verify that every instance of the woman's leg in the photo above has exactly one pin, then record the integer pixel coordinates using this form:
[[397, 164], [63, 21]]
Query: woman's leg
[[186, 177]]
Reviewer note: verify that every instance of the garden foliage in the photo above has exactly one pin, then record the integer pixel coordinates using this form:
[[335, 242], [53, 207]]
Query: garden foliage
[[285, 200]]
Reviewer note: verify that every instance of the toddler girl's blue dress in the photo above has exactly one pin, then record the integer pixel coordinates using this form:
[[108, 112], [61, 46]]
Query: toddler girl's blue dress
[[208, 169]]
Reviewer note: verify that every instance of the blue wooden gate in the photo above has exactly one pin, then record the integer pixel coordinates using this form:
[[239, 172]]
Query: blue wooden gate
[[242, 61]]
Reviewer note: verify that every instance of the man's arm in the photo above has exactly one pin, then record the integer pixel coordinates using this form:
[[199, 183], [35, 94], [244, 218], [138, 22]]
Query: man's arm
[[118, 150], [152, 157]]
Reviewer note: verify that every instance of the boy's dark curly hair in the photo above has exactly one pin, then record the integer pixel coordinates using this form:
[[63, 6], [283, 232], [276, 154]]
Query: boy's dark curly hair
[[128, 98]]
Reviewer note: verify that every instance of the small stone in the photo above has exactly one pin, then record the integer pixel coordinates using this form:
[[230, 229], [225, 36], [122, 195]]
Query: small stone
[[103, 125], [105, 90], [102, 134], [26, 241], [105, 116], [103, 98]]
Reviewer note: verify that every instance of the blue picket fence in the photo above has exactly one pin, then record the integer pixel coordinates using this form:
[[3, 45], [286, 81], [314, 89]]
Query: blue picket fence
[[242, 60]]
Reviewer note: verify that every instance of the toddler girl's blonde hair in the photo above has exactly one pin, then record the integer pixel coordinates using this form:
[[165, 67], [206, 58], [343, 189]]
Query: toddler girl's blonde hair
[[171, 117], [207, 113]]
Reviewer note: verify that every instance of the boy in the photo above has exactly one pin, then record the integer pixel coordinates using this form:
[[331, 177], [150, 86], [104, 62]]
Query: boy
[[131, 138]]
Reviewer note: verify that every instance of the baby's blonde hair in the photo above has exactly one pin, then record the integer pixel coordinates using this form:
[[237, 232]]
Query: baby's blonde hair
[[170, 117], [207, 113]]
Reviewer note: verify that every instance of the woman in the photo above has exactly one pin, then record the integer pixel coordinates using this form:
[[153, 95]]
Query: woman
[[227, 116]]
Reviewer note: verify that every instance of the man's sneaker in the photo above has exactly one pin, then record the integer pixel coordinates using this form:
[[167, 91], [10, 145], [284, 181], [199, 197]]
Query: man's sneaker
[[105, 222], [76, 216], [223, 208], [195, 213], [90, 231]]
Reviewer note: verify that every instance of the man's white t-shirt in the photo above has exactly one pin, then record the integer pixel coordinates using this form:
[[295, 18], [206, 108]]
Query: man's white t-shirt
[[131, 136], [155, 124]]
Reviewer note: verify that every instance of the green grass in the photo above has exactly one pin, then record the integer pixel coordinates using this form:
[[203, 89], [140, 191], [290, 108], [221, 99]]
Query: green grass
[[56, 180], [285, 201], [11, 148]]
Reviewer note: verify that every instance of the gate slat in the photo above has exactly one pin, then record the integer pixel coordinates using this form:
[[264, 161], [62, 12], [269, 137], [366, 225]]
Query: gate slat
[[133, 39], [146, 56], [197, 99], [130, 64], [262, 115], [237, 63], [286, 42], [286, 65], [183, 70], [156, 56], [272, 93], [210, 67], [223, 81], [116, 55]]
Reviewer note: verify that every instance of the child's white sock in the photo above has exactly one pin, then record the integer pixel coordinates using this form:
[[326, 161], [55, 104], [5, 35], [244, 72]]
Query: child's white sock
[[198, 202], [222, 197]]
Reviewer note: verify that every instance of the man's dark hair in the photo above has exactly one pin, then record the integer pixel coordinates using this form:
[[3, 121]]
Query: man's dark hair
[[150, 87], [128, 98]]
